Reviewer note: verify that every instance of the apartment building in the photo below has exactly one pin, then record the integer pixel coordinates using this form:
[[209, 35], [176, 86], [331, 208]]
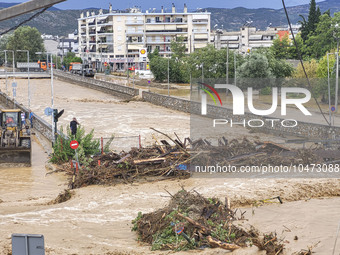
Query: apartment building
[[68, 44], [248, 38], [118, 37]]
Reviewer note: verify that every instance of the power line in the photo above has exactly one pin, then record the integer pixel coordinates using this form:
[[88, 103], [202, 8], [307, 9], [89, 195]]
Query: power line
[[301, 61], [25, 21]]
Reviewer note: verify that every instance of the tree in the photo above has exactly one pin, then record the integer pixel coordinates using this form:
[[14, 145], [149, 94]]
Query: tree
[[321, 40], [310, 67], [308, 27], [158, 66], [26, 38], [280, 47]]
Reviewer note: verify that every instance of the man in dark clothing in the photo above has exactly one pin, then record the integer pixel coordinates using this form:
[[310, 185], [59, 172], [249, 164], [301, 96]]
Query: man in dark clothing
[[73, 126]]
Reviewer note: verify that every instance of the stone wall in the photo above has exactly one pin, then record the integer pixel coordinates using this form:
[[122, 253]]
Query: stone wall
[[107, 87], [303, 129], [39, 124]]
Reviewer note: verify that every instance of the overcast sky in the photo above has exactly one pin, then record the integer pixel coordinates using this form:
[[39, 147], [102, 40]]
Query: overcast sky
[[192, 4]]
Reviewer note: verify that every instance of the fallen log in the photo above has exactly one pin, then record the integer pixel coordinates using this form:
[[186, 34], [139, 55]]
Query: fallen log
[[217, 243], [196, 224], [149, 161]]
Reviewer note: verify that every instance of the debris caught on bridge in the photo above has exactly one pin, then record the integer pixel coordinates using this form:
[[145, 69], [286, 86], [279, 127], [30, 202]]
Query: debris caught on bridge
[[191, 221], [172, 158]]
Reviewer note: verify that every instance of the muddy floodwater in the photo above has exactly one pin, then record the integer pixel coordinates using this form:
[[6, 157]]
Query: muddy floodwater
[[97, 220]]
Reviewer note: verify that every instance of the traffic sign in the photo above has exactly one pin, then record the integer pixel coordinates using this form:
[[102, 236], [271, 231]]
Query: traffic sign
[[74, 144], [333, 108], [48, 111]]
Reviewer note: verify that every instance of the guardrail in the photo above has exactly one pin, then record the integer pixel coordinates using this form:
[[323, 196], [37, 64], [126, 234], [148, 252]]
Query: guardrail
[[114, 89]]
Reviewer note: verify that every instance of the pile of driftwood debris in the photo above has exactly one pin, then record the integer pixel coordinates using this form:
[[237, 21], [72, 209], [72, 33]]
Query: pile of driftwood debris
[[161, 161], [172, 158], [245, 152], [191, 221]]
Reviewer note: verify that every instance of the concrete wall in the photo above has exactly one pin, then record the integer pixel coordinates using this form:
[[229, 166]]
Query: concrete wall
[[107, 87], [38, 123], [306, 130]]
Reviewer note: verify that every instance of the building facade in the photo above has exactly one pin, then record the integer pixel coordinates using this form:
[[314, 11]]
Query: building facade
[[248, 38], [68, 44], [117, 37]]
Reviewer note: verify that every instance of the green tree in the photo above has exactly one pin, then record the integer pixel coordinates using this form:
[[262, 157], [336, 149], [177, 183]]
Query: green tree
[[213, 62], [26, 38], [308, 27], [158, 66], [280, 47], [322, 39], [87, 146]]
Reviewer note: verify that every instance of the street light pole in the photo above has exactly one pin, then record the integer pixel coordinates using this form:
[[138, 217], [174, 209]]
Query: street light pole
[[168, 76], [335, 34], [6, 76], [28, 76], [329, 92], [52, 91]]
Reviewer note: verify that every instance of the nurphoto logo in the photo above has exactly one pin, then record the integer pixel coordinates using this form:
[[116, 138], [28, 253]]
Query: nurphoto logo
[[238, 97]]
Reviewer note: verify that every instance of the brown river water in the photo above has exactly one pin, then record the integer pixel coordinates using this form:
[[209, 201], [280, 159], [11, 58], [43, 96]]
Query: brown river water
[[97, 220]]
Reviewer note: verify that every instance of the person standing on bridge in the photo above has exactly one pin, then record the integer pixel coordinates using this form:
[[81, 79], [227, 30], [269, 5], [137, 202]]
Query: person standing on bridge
[[30, 117], [73, 126]]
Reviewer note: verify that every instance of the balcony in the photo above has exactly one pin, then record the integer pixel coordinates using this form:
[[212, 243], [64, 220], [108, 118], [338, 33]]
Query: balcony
[[140, 32], [150, 32], [105, 32], [162, 22], [134, 23], [92, 32], [110, 23], [199, 31], [159, 42], [200, 22]]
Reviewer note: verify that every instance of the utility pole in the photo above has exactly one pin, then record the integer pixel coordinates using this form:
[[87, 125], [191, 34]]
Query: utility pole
[[6, 76], [227, 64], [329, 91], [28, 76], [168, 76], [235, 66]]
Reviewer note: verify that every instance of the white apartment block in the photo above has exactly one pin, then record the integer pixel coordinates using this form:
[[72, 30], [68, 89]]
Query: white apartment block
[[117, 37], [248, 38]]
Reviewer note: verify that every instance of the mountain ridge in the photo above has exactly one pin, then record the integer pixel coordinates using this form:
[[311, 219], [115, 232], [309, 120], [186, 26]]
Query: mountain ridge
[[62, 22]]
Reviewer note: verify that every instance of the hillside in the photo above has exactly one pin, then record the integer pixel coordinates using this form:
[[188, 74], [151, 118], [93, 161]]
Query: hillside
[[62, 22]]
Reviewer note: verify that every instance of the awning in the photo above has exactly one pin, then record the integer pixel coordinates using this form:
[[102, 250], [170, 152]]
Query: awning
[[102, 18], [90, 20], [201, 36], [229, 38], [104, 46], [255, 37]]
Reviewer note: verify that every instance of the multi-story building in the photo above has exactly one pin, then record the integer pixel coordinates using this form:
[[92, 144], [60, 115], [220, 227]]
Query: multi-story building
[[68, 44], [117, 37], [249, 38]]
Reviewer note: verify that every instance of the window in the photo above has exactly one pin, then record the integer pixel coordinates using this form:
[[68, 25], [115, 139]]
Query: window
[[158, 48], [149, 48], [119, 18], [119, 28], [119, 48], [140, 39], [119, 38], [157, 19], [148, 20], [167, 19]]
